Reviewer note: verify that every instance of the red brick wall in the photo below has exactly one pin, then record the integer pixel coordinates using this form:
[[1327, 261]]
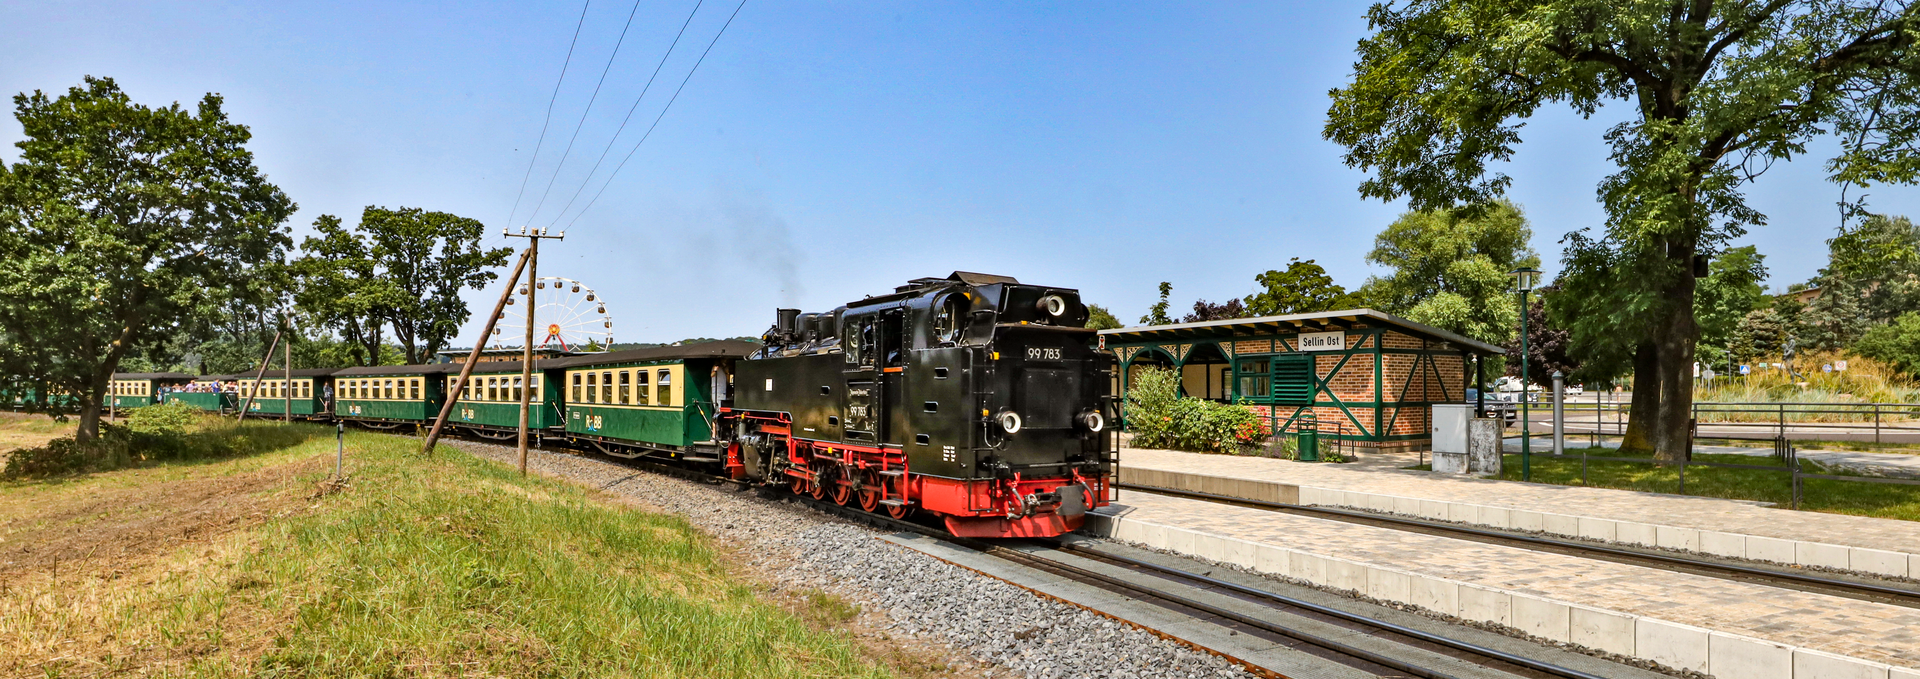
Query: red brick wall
[[1353, 383]]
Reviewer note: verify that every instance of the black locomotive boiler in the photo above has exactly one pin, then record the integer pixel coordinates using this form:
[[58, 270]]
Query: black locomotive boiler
[[973, 397]]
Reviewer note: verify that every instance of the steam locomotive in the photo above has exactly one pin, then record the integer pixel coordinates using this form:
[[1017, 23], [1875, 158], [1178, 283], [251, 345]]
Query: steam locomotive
[[973, 397]]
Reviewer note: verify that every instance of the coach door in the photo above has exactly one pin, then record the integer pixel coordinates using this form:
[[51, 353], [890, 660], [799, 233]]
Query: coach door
[[893, 371]]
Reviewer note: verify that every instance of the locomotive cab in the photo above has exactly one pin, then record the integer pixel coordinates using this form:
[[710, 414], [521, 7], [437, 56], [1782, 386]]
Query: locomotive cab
[[974, 397]]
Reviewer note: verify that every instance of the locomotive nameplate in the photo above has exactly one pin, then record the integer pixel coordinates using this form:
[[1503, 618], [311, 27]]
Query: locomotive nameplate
[[1043, 353]]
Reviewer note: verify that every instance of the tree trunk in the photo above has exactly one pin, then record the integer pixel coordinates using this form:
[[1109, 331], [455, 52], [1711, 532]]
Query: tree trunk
[[1643, 414], [1673, 438]]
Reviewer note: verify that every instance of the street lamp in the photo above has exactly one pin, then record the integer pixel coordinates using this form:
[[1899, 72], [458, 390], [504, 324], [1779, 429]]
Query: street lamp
[[1524, 279]]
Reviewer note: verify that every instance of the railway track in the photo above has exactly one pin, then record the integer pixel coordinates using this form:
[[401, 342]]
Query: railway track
[[1322, 631], [1854, 588]]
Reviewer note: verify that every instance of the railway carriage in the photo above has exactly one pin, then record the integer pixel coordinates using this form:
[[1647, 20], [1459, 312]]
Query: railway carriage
[[306, 394], [386, 397], [209, 395], [489, 405], [653, 400], [137, 390]]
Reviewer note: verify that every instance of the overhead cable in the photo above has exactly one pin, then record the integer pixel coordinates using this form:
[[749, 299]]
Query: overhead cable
[[588, 180], [589, 109], [549, 119], [663, 114]]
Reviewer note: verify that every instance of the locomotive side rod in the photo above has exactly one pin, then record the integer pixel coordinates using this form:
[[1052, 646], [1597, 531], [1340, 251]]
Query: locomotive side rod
[[453, 388]]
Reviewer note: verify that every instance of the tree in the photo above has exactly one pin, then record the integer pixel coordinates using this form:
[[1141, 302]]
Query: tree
[[1719, 91], [117, 224], [1897, 343], [1548, 347], [1208, 311], [1878, 260], [1301, 288], [341, 288], [1451, 269], [1761, 333], [1157, 314], [428, 257], [1099, 318], [1730, 291]]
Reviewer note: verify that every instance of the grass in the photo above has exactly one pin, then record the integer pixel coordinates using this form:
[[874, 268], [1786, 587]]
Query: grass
[[1880, 500], [435, 567], [22, 430]]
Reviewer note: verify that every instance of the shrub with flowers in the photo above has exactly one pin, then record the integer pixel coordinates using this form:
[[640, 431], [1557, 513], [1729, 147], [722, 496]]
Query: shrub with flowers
[[1159, 418]]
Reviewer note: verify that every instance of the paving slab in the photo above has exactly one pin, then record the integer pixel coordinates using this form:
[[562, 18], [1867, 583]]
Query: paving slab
[[1723, 628], [1730, 528]]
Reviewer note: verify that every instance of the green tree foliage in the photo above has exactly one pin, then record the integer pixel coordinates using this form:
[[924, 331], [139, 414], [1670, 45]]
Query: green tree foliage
[[1157, 314], [1451, 269], [341, 288], [400, 270], [429, 257], [1718, 91], [1303, 287], [1897, 343], [1761, 333], [1730, 291], [121, 224], [1099, 318]]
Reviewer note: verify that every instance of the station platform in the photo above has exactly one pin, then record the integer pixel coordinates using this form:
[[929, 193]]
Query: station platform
[[1724, 628], [1727, 528]]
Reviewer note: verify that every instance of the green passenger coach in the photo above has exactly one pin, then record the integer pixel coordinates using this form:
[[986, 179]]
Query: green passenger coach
[[384, 397], [136, 390], [208, 392], [306, 394], [489, 405], [664, 399]]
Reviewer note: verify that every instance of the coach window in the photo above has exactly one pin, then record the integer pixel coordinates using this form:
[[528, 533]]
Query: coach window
[[493, 389], [626, 387], [576, 386], [606, 387], [533, 388], [640, 387], [663, 388], [593, 387], [516, 389]]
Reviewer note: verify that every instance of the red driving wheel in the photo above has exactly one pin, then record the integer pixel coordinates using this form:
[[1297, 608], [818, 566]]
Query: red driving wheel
[[799, 485], [822, 482], [842, 489], [870, 486], [899, 492]]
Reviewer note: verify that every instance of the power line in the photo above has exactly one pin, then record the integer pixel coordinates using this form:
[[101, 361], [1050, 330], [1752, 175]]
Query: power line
[[589, 109], [663, 114], [549, 119], [588, 180]]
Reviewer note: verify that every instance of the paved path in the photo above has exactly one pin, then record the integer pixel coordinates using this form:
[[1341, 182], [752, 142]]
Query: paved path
[[1615, 607], [1848, 458], [1729, 527]]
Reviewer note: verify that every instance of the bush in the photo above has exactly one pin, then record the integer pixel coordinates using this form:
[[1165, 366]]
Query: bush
[[1159, 418], [170, 419], [111, 450], [154, 433], [1897, 343]]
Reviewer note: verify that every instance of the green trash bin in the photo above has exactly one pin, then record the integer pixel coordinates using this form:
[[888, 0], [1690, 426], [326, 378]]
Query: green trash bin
[[1307, 445]]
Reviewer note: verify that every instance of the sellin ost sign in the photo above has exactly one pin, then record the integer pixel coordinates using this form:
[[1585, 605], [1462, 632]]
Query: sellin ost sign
[[1323, 341]]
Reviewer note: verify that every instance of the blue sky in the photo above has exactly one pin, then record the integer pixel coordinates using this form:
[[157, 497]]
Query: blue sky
[[829, 150]]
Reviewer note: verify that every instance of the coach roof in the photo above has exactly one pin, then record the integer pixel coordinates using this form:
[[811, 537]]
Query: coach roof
[[384, 370], [718, 349]]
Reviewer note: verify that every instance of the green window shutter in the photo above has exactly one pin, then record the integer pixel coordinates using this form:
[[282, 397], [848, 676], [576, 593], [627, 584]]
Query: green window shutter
[[1293, 378]]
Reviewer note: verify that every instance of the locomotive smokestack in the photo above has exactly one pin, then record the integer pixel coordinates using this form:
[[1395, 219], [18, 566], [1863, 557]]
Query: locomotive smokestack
[[786, 325]]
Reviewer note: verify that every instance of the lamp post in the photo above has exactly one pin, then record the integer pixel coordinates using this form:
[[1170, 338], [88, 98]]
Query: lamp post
[[1524, 279]]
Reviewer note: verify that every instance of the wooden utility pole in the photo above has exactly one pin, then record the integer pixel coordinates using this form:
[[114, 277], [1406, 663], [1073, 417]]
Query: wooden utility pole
[[264, 360], [459, 384], [526, 352], [286, 389]]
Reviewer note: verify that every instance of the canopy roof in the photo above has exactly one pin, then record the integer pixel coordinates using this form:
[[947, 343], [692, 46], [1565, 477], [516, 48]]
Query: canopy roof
[[1318, 321]]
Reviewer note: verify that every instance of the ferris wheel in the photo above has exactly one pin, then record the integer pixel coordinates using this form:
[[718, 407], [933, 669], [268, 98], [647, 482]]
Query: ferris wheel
[[567, 314]]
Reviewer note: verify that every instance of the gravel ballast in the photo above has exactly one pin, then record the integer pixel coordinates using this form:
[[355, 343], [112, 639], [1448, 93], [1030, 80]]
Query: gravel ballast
[[1008, 630]]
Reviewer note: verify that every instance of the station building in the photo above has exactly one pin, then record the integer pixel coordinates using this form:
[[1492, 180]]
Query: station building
[[1362, 376]]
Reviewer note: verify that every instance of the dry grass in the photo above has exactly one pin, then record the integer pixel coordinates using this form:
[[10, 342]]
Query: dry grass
[[22, 430], [447, 566], [1865, 381]]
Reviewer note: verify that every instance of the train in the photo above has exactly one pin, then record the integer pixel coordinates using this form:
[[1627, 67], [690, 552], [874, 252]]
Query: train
[[973, 399]]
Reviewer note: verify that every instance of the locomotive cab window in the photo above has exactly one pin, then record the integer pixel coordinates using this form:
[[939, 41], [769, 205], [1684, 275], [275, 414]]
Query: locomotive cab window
[[949, 317]]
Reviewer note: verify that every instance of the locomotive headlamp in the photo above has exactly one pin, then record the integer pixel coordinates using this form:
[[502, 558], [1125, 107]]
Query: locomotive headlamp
[[1093, 421], [1053, 305], [1009, 421]]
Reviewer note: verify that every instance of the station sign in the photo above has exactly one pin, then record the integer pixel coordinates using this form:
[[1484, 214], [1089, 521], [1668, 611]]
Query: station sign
[[1323, 341]]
